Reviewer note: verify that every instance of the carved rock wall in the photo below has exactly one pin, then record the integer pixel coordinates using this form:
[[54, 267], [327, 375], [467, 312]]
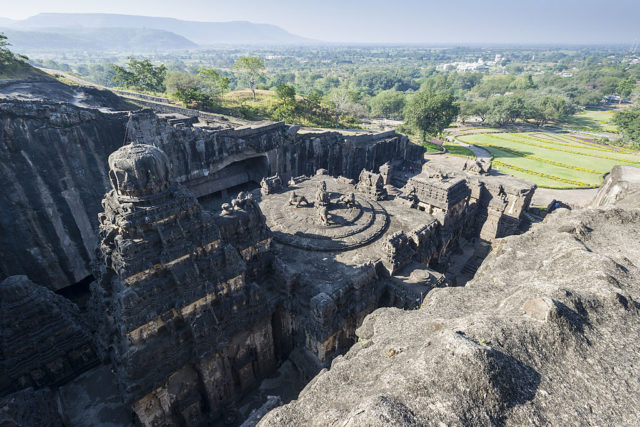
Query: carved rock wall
[[174, 312], [544, 334], [53, 159], [43, 340], [53, 169]]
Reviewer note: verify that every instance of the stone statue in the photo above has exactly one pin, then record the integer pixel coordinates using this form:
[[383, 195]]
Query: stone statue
[[322, 197], [501, 193], [226, 209], [295, 180], [349, 200], [270, 185], [296, 200], [243, 201], [412, 196], [322, 214]]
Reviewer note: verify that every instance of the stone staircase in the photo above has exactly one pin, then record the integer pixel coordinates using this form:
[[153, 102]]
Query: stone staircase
[[527, 220], [473, 264]]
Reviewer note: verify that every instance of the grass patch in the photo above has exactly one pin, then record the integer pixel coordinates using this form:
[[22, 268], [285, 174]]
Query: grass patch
[[431, 147], [459, 150], [551, 160], [594, 120]]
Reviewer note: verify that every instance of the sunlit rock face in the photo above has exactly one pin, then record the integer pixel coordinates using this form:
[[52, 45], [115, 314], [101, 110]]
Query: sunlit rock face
[[174, 313], [545, 333], [621, 187]]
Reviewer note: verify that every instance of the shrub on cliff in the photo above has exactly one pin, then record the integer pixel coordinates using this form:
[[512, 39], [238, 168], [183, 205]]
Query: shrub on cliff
[[10, 63]]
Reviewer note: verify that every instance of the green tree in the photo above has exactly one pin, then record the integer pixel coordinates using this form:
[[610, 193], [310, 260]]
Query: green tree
[[628, 122], [6, 57], [480, 109], [550, 109], [185, 88], [287, 109], [213, 83], [524, 82], [286, 93], [429, 113], [625, 88], [388, 104], [141, 75], [251, 68]]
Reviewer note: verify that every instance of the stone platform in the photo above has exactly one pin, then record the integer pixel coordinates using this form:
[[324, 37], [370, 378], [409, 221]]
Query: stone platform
[[347, 227]]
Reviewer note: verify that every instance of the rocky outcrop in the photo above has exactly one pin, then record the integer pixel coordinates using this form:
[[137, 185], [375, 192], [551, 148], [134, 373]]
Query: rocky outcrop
[[43, 340], [621, 187], [544, 334], [200, 159]]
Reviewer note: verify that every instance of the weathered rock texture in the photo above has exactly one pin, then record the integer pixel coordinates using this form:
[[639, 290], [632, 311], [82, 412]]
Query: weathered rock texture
[[43, 340], [621, 188], [30, 407], [53, 165], [184, 329], [546, 333]]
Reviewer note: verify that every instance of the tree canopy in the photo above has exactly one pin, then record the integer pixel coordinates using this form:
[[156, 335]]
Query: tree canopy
[[251, 68], [429, 113], [142, 75], [388, 104], [628, 122]]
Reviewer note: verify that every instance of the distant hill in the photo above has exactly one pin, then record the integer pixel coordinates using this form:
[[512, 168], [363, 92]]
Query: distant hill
[[203, 33], [99, 39], [5, 22]]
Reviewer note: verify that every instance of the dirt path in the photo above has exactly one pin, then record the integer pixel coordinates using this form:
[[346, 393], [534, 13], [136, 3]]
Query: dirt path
[[480, 153]]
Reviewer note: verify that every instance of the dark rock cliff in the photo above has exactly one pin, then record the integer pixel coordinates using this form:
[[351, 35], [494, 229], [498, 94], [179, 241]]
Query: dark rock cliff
[[53, 169], [546, 333]]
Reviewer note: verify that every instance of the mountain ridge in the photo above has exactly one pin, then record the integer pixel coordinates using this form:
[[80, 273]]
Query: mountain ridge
[[100, 39], [199, 32]]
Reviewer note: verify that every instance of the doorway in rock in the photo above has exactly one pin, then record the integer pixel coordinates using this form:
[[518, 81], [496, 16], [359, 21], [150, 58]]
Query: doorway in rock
[[223, 185]]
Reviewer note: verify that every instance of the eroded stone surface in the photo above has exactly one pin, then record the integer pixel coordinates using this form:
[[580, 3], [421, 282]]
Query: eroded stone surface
[[621, 188], [43, 340], [349, 226], [53, 160], [542, 335], [172, 294]]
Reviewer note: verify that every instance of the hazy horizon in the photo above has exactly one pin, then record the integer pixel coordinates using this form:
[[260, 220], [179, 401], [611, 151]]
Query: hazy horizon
[[401, 22]]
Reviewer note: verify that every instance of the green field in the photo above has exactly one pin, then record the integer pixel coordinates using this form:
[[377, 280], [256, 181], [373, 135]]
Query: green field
[[552, 160], [595, 120]]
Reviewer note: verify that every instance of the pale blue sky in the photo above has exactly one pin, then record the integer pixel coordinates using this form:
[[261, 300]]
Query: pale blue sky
[[391, 21]]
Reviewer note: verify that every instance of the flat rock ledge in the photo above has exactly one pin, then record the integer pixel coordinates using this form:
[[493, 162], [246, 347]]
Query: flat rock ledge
[[546, 333]]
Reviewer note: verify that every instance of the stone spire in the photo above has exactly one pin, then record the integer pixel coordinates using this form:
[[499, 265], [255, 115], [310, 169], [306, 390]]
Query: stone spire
[[172, 294]]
